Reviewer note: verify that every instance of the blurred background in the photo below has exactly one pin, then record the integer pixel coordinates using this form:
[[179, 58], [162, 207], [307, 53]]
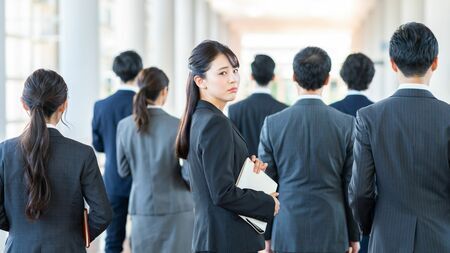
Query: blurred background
[[80, 38]]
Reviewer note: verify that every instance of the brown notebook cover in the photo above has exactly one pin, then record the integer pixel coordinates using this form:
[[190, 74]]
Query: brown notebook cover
[[86, 236]]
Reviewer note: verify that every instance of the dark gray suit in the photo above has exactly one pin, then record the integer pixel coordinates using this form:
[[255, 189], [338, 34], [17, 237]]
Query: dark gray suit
[[309, 151], [217, 152], [402, 148], [74, 175], [158, 193]]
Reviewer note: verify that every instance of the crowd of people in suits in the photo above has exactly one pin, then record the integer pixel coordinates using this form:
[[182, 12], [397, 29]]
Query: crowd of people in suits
[[353, 176]]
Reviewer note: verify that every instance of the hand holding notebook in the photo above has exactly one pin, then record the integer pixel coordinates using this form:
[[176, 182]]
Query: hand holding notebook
[[248, 179]]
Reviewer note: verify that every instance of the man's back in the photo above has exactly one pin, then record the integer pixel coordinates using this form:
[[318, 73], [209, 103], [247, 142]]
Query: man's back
[[107, 114], [248, 115], [405, 142], [351, 104], [309, 151]]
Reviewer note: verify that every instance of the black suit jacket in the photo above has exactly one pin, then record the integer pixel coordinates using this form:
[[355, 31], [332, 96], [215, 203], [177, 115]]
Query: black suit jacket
[[107, 114], [308, 148], [74, 177], [400, 189], [216, 154], [248, 115], [351, 104]]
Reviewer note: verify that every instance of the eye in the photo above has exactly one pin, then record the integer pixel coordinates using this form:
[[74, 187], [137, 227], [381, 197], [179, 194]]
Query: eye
[[235, 70], [223, 73]]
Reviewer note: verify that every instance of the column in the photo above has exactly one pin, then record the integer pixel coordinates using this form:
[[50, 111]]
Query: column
[[184, 43], [130, 23], [79, 63], [412, 10], [437, 19], [214, 23], [201, 21], [391, 22], [223, 32], [2, 73], [161, 53]]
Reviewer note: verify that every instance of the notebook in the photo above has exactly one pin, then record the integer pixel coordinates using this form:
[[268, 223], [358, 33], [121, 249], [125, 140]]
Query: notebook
[[259, 182], [86, 236]]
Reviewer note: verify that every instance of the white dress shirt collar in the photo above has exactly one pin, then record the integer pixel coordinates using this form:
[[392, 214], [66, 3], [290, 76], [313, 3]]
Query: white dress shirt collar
[[417, 86], [354, 92], [128, 87], [155, 107], [264, 90], [308, 96], [51, 126]]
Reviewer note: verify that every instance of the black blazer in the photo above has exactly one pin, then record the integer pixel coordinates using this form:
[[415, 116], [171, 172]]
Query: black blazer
[[74, 177], [400, 189], [216, 155], [248, 115], [309, 151], [107, 114], [351, 104]]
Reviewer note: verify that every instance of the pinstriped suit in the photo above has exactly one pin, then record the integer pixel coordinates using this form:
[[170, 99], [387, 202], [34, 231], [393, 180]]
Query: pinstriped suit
[[402, 148]]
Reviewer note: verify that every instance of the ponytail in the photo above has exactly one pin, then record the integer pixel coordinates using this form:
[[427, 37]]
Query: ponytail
[[141, 117], [193, 96], [44, 92]]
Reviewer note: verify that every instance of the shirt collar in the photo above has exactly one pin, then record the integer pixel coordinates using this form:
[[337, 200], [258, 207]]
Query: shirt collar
[[417, 86], [154, 106], [264, 90], [308, 96], [354, 92], [51, 126], [128, 87]]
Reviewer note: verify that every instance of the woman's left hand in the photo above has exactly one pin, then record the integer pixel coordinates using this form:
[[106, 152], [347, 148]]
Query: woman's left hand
[[259, 165]]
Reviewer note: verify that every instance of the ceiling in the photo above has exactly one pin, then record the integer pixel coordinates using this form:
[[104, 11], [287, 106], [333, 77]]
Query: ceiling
[[276, 15]]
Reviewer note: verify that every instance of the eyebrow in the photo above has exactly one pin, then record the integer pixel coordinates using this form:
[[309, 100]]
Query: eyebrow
[[222, 68]]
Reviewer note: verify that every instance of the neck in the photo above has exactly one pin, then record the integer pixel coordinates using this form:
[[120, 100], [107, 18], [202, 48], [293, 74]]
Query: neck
[[130, 83], [302, 91], [54, 120], [216, 102], [414, 79]]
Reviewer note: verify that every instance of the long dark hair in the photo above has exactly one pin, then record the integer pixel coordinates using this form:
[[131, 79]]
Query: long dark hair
[[151, 82], [199, 63], [43, 93]]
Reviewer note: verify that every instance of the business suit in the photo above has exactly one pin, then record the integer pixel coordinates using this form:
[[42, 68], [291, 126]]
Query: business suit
[[402, 148], [351, 104], [107, 114], [216, 154], [308, 148], [74, 177], [161, 205], [248, 116]]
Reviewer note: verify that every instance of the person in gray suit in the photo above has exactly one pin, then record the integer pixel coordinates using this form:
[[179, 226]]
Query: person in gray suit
[[308, 148], [45, 178], [161, 206], [400, 189]]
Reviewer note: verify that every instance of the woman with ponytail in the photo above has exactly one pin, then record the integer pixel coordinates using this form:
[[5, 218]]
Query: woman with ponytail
[[216, 151], [45, 178], [160, 205]]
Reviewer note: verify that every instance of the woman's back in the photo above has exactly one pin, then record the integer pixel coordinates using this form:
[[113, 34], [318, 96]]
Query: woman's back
[[73, 173], [158, 187]]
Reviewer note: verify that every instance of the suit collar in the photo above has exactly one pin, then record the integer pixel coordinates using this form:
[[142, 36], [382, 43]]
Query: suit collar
[[413, 93], [309, 101], [156, 111], [54, 132], [207, 105]]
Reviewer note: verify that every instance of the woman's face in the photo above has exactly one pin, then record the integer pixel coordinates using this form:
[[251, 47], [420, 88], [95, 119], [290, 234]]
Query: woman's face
[[221, 81]]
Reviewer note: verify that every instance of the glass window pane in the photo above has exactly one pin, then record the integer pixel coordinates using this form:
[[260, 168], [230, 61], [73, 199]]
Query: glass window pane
[[18, 57], [14, 109], [15, 129]]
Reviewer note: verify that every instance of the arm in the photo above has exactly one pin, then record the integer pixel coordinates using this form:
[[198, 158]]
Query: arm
[[217, 145], [93, 188], [362, 196], [352, 226], [265, 153], [4, 223], [185, 172], [97, 140], [123, 166]]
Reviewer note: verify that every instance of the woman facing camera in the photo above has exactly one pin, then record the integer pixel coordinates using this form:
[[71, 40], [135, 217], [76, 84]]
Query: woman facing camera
[[216, 152], [161, 205], [45, 177]]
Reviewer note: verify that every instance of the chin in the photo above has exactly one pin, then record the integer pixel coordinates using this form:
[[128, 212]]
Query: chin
[[231, 97]]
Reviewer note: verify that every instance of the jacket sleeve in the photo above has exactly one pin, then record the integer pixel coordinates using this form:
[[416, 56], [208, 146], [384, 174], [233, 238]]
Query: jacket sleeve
[[97, 139], [4, 223], [362, 193], [217, 148], [123, 166], [352, 226], [93, 188]]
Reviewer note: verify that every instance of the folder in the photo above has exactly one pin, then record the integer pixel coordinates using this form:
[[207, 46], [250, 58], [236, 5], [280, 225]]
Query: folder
[[86, 236], [259, 182]]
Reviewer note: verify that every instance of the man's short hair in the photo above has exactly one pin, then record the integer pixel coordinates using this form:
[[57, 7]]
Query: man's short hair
[[413, 48], [127, 65], [262, 69], [357, 71], [312, 66]]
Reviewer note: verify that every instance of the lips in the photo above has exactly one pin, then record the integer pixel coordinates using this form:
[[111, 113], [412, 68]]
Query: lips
[[232, 90]]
